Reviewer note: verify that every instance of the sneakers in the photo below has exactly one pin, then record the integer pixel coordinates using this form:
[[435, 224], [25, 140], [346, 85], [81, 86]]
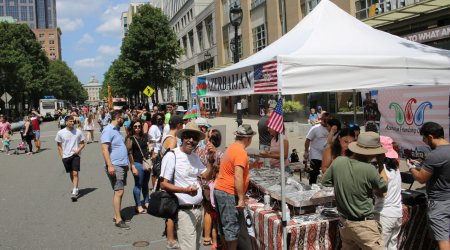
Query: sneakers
[[122, 225], [74, 195]]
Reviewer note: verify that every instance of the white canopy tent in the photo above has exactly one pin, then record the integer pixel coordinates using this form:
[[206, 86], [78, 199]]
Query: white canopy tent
[[330, 50]]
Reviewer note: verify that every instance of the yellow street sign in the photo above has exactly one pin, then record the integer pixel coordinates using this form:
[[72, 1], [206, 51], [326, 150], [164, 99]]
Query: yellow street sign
[[148, 91]]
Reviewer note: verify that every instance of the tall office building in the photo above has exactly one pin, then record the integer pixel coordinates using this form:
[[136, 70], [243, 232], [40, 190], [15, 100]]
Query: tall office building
[[40, 16], [37, 14]]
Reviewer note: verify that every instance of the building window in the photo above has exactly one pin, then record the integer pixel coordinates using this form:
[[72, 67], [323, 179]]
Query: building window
[[191, 41], [51, 36], [41, 35], [52, 49], [209, 30], [256, 3], [259, 38], [200, 37], [311, 4], [51, 42]]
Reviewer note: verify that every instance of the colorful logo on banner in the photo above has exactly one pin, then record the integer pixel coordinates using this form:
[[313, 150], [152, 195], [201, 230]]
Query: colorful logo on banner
[[407, 115], [201, 86]]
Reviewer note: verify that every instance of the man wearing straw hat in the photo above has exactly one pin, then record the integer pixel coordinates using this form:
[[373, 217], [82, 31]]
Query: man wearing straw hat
[[355, 180], [185, 166]]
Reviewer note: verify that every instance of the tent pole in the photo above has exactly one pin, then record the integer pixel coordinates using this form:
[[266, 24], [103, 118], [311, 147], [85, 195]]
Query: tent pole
[[354, 106], [283, 188]]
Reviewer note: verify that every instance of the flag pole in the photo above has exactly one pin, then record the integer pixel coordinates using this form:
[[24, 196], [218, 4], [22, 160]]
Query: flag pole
[[283, 189]]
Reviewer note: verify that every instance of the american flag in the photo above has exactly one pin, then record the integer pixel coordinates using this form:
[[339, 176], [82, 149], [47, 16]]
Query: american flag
[[276, 118], [265, 76]]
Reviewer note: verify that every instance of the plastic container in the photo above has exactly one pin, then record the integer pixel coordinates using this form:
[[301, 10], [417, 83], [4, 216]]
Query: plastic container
[[267, 202]]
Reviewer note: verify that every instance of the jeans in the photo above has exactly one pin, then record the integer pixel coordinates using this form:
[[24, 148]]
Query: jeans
[[391, 228], [141, 184]]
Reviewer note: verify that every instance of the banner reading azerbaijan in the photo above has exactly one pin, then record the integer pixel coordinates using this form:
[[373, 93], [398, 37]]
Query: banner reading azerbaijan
[[403, 112], [256, 79]]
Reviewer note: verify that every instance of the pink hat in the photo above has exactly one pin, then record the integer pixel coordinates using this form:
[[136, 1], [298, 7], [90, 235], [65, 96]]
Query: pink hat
[[386, 142]]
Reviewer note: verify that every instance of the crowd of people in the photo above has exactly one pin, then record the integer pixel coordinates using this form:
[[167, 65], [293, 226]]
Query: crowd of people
[[182, 156]]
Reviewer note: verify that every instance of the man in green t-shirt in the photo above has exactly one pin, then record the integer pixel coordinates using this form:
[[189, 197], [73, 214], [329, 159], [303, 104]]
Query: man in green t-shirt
[[355, 181], [169, 112]]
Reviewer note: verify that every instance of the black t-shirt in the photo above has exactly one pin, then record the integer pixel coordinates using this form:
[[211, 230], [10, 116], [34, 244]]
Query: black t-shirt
[[264, 136], [137, 155], [438, 164]]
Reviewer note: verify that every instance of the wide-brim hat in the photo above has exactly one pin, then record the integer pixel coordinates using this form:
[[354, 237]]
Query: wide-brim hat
[[191, 127], [202, 122], [180, 109], [245, 130], [386, 142], [368, 144]]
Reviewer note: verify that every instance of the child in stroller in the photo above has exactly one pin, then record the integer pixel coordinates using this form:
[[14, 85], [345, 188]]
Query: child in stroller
[[22, 146]]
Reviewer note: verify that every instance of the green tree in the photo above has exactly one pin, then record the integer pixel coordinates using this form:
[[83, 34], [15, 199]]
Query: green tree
[[23, 64], [149, 52], [62, 83]]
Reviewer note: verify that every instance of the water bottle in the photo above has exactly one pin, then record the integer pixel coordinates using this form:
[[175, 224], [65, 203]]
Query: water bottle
[[267, 202]]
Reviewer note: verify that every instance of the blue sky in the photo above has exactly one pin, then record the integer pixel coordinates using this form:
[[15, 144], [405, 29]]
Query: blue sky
[[91, 35]]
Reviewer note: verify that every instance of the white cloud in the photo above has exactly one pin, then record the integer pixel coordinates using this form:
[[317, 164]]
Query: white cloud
[[111, 25], [86, 39], [108, 50], [66, 24], [77, 8], [93, 62]]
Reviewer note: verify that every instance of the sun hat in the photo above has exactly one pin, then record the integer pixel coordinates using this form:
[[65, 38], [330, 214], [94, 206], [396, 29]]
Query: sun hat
[[386, 142], [368, 144], [180, 109], [202, 122], [176, 119], [245, 130], [191, 127]]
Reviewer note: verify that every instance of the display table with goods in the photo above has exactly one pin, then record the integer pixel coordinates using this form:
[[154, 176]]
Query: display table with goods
[[314, 223]]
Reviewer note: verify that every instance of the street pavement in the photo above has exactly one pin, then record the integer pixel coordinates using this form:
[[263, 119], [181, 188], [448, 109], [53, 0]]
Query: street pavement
[[37, 212]]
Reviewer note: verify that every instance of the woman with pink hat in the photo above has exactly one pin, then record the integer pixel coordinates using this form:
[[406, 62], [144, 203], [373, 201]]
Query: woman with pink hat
[[388, 210]]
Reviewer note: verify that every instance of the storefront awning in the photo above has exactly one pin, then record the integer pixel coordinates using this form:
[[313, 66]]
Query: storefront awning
[[407, 12]]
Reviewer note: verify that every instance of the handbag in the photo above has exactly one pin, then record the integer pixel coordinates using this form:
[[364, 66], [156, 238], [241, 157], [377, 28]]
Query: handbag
[[163, 204], [146, 163]]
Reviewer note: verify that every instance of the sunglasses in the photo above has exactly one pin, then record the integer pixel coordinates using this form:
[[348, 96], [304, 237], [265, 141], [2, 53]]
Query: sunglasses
[[137, 126], [187, 136]]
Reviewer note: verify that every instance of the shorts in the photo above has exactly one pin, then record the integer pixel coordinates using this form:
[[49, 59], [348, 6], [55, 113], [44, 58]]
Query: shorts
[[119, 180], [231, 220], [37, 134], [72, 163], [439, 219]]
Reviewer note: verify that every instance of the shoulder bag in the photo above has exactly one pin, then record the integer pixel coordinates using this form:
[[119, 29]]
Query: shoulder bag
[[162, 203], [146, 163]]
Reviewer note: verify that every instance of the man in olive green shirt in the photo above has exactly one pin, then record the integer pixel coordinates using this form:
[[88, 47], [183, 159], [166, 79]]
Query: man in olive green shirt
[[355, 181]]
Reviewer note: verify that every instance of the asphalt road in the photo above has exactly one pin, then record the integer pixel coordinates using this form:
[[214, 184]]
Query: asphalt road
[[37, 212]]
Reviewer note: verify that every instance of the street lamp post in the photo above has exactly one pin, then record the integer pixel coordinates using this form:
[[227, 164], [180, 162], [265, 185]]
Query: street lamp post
[[235, 20], [4, 91]]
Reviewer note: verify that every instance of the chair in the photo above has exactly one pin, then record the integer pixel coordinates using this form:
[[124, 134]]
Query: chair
[[407, 178]]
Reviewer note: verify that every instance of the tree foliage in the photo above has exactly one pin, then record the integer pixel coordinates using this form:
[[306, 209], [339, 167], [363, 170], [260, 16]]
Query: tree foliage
[[28, 73], [148, 54], [22, 61], [62, 83]]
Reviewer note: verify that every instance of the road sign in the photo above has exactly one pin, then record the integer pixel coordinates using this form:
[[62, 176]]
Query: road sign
[[148, 91], [6, 97]]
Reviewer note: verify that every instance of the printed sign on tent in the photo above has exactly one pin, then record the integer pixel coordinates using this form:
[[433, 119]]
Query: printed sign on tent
[[405, 110], [256, 79]]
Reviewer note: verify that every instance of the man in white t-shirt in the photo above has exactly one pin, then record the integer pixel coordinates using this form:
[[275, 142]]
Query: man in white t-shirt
[[185, 186], [315, 143], [70, 143]]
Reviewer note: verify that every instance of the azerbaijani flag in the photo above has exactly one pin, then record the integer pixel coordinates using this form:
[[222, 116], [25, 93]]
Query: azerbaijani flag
[[201, 86], [191, 113]]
